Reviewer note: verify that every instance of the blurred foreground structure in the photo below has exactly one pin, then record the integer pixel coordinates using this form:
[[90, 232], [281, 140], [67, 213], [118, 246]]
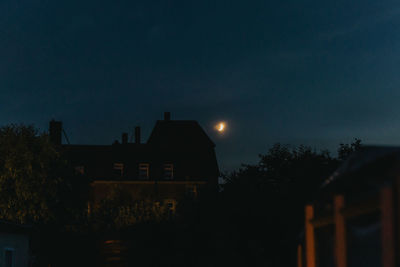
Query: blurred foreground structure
[[177, 161], [14, 244], [355, 220]]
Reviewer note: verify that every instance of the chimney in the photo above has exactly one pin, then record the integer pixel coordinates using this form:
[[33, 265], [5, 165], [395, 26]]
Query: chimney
[[167, 116], [55, 130], [124, 138], [137, 135]]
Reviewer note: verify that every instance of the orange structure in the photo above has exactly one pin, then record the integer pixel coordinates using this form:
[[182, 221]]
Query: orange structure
[[310, 239], [340, 232], [357, 212], [388, 236]]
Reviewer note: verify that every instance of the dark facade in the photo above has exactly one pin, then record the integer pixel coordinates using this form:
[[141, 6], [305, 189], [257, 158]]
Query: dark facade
[[14, 245], [178, 159]]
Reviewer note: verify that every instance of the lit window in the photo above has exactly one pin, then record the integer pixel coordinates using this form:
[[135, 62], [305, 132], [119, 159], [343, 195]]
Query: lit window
[[80, 170], [168, 171], [144, 170], [119, 168]]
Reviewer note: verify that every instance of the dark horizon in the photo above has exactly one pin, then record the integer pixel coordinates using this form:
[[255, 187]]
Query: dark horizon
[[226, 162]]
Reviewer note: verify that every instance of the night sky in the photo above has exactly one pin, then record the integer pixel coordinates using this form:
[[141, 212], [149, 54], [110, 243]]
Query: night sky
[[299, 72]]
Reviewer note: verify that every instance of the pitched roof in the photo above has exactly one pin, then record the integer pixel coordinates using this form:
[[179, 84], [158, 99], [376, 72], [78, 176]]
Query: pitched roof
[[179, 133], [374, 162]]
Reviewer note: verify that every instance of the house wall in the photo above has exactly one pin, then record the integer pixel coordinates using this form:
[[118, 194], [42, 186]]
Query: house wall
[[19, 243], [160, 190]]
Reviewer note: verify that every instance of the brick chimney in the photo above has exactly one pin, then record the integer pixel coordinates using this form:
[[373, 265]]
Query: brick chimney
[[137, 135], [167, 116], [55, 131]]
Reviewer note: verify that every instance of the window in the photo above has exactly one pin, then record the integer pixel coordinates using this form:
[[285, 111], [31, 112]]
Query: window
[[168, 171], [119, 169], [144, 170], [9, 257], [191, 191], [80, 170], [170, 205]]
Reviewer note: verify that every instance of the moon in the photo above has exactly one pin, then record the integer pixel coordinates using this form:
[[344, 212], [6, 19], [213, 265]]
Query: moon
[[220, 127]]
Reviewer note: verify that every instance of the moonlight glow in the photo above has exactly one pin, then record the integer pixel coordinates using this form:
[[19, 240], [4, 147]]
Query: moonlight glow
[[220, 127]]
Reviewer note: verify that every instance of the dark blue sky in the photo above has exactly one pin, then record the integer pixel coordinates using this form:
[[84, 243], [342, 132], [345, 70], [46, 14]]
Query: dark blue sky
[[301, 72]]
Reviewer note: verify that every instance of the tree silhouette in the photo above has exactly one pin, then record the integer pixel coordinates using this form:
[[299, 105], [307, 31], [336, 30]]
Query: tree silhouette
[[36, 185], [267, 199]]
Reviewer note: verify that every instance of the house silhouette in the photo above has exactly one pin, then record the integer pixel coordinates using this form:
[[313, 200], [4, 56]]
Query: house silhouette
[[177, 161]]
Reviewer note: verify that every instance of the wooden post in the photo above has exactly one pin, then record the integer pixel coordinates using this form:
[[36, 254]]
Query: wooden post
[[387, 218], [340, 232], [396, 198], [299, 256], [89, 208], [310, 238]]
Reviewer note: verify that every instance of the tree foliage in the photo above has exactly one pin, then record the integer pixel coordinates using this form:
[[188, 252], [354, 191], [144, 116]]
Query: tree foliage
[[345, 150], [265, 201], [36, 184], [120, 210], [284, 169]]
